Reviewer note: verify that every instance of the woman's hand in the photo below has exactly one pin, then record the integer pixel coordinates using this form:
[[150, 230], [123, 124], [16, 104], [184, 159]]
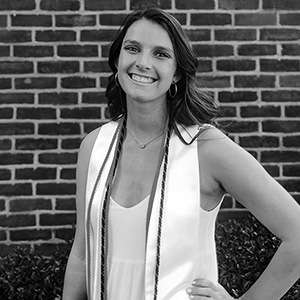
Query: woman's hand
[[203, 289]]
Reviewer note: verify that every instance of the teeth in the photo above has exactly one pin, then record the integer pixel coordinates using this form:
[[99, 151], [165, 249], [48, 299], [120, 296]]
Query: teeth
[[141, 79]]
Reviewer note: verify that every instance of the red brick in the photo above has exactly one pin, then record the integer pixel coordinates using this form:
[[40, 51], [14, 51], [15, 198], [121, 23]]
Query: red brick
[[5, 144], [260, 111], [60, 5], [281, 126], [78, 51], [64, 234], [31, 20], [78, 82], [5, 83], [238, 4], [14, 67], [68, 173], [96, 66], [104, 5], [33, 51], [281, 96], [55, 36], [291, 49], [30, 235], [70, 143], [59, 129], [16, 98], [58, 98], [17, 5], [241, 126], [254, 19], [57, 219], [291, 141], [36, 113], [204, 66], [3, 21], [49, 249], [284, 65], [6, 113], [290, 19], [58, 67], [279, 34], [246, 81], [292, 111], [19, 189], [291, 185], [228, 111], [215, 81], [80, 113], [15, 36], [281, 4], [94, 98], [259, 141], [35, 83], [65, 204], [235, 35], [194, 4], [88, 127], [98, 35], [213, 50], [291, 170], [112, 19], [236, 65], [22, 205], [58, 158], [4, 51], [75, 20], [211, 19], [280, 156], [36, 144], [2, 205], [290, 81], [272, 170], [17, 220], [36, 174], [16, 128], [3, 236], [256, 50], [5, 174], [13, 158], [199, 34], [55, 189]]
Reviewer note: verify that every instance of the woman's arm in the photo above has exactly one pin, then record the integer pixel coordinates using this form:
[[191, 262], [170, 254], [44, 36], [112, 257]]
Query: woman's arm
[[248, 182], [75, 277]]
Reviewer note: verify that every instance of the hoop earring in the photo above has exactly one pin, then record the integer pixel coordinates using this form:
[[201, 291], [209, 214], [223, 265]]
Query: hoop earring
[[116, 79], [173, 95]]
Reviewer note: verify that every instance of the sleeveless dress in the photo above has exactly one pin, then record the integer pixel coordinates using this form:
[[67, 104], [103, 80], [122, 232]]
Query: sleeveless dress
[[126, 260], [187, 247]]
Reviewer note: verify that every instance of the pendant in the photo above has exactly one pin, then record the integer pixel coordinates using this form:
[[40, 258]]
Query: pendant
[[142, 146]]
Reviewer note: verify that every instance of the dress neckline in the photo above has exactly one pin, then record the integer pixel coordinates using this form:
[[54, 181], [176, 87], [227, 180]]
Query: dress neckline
[[145, 200]]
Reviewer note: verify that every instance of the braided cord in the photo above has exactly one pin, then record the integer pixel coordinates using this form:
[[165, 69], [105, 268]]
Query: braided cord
[[105, 212], [161, 209], [88, 218]]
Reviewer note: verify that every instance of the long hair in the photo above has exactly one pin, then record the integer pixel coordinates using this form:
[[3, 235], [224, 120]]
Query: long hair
[[191, 105]]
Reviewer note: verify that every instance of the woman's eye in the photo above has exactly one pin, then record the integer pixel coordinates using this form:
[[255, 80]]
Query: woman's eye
[[131, 49], [163, 55]]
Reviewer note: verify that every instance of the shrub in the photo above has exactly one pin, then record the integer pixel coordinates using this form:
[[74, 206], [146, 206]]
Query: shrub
[[244, 248]]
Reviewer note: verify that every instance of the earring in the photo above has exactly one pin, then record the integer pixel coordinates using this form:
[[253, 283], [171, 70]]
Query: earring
[[173, 95], [116, 79]]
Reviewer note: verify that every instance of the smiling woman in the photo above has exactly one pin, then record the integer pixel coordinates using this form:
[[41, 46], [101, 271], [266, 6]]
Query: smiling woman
[[150, 182]]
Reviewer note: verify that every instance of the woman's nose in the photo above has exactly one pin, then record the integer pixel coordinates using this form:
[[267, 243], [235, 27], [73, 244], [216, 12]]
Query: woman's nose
[[143, 62]]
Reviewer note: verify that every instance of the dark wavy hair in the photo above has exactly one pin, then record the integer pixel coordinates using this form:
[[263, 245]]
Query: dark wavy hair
[[191, 105]]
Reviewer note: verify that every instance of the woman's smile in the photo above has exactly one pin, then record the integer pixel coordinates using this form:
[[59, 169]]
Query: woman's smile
[[141, 79]]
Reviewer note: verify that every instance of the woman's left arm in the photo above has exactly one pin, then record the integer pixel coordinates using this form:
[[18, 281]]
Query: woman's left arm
[[247, 181]]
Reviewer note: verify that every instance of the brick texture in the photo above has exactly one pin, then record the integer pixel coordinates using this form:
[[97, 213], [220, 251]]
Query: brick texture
[[53, 74]]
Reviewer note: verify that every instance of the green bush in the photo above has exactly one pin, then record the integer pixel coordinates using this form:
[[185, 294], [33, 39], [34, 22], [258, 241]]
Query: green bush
[[244, 249]]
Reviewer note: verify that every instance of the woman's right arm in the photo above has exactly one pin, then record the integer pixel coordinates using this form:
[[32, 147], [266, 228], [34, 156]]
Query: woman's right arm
[[75, 276]]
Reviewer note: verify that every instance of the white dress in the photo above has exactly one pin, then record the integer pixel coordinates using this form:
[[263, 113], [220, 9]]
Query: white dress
[[126, 259]]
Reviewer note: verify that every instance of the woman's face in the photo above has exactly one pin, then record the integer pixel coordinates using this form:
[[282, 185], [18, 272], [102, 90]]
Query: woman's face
[[146, 64]]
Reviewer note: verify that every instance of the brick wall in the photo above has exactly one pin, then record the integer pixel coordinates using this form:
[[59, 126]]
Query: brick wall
[[53, 73]]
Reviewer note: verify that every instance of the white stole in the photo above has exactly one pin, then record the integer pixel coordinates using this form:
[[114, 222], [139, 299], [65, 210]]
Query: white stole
[[180, 239]]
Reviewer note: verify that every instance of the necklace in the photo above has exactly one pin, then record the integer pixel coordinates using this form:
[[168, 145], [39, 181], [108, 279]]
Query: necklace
[[144, 145]]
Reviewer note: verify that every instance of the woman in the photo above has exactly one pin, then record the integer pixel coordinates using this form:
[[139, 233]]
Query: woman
[[151, 181]]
